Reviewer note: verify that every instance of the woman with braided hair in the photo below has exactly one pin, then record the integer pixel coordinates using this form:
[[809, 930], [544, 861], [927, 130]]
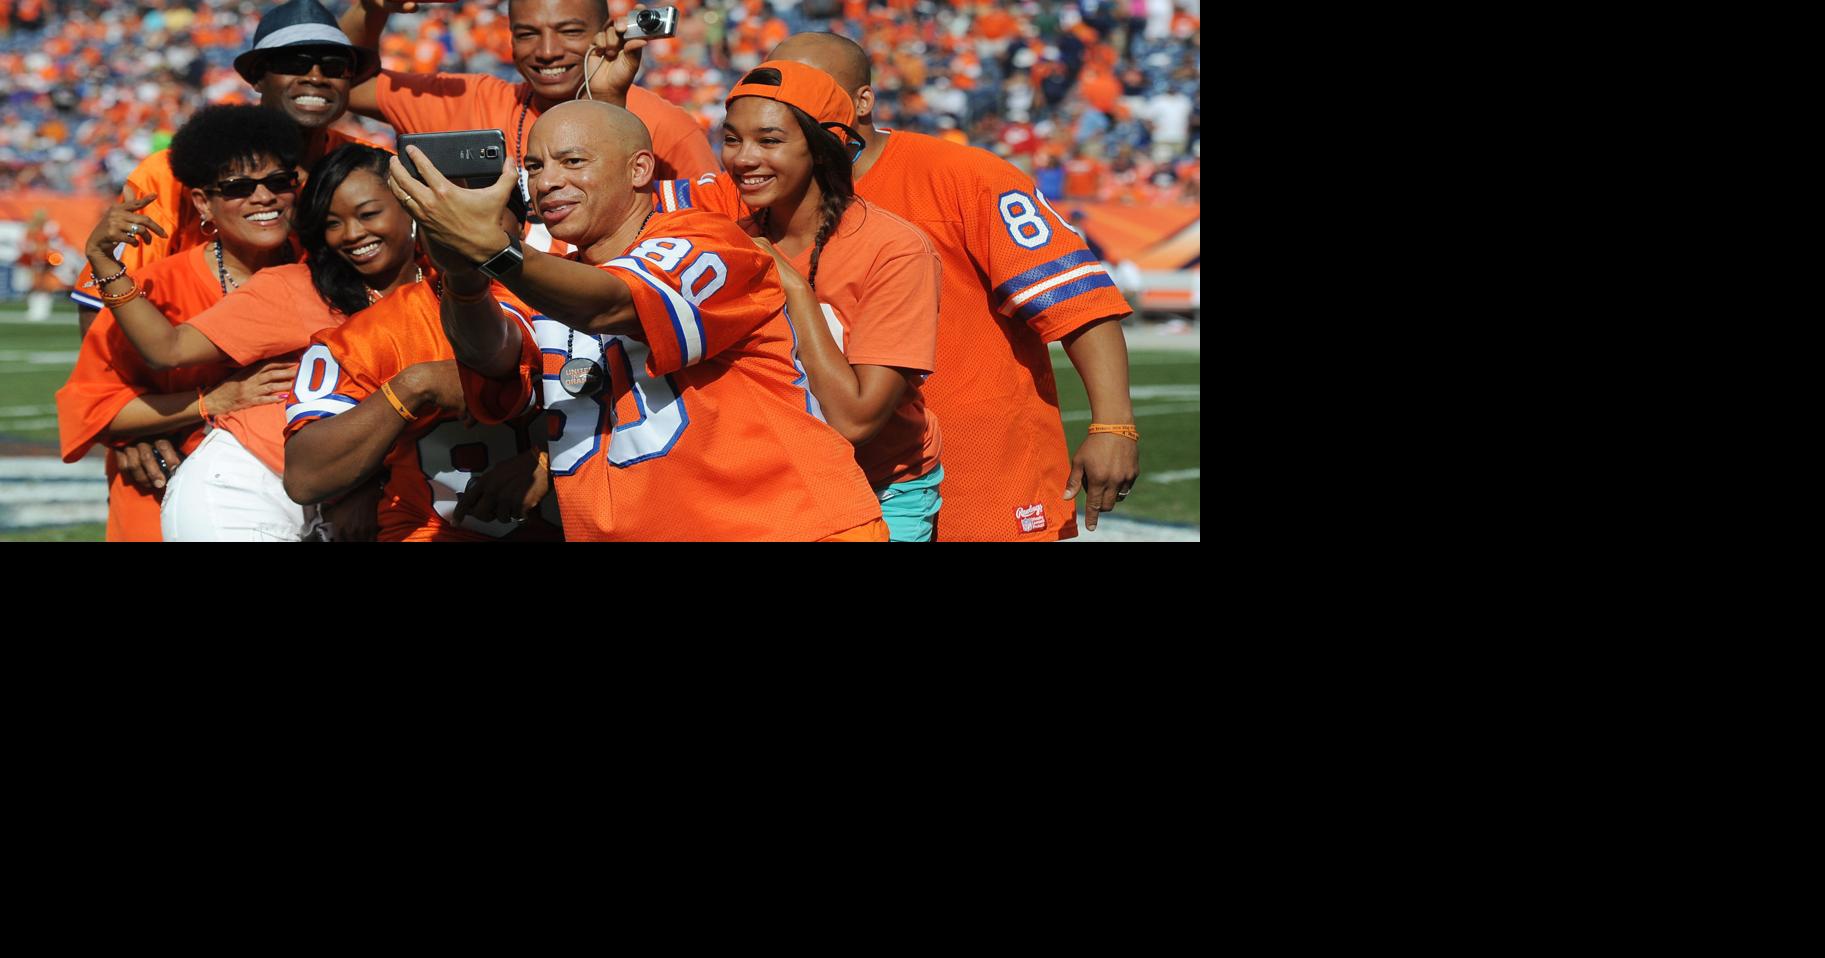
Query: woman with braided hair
[[861, 283]]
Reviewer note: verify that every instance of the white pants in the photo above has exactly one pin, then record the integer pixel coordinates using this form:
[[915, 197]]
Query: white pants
[[223, 494]]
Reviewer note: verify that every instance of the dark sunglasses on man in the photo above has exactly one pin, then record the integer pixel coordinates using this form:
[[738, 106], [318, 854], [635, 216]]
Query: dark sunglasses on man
[[297, 63], [284, 181]]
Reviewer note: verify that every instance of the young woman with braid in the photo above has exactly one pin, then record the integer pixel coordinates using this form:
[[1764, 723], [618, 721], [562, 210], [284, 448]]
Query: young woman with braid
[[862, 284]]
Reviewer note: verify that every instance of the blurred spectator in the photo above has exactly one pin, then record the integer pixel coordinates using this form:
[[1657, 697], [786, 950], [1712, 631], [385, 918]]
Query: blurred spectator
[[88, 88]]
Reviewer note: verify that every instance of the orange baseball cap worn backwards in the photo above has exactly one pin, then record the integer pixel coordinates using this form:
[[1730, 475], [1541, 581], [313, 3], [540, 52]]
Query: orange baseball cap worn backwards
[[808, 88]]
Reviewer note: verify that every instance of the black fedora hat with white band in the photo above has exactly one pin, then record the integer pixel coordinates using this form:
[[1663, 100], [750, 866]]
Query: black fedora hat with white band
[[302, 23]]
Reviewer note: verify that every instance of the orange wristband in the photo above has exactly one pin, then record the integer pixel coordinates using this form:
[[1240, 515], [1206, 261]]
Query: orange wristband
[[1125, 430], [202, 409], [112, 300], [386, 389]]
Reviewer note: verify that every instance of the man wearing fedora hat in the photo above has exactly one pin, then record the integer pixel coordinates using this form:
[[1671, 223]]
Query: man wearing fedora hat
[[302, 65]]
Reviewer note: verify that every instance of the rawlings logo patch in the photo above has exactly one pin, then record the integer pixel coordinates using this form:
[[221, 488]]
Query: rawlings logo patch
[[1031, 518]]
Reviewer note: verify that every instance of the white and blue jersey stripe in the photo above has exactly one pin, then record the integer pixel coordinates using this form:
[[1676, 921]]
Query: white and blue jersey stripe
[[1044, 286], [687, 322]]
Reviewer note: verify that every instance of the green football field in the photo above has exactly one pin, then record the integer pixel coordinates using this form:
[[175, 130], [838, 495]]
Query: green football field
[[1166, 384]]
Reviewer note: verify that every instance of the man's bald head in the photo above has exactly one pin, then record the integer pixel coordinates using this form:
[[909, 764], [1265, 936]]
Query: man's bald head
[[590, 167], [600, 123], [838, 56]]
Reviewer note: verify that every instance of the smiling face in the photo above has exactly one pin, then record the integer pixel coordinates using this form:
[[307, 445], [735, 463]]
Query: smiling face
[[313, 101], [367, 226], [256, 224], [549, 40], [585, 170], [764, 150]]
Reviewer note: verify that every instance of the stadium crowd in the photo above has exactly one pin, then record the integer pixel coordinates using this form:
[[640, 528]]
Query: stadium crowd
[[1096, 99], [598, 339]]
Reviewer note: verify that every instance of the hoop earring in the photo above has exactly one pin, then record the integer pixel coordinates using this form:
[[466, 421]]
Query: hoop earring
[[212, 230]]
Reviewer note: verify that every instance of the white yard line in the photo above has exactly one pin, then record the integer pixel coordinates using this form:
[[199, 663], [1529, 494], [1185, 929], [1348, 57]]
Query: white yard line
[[1164, 409], [1173, 475], [38, 357], [51, 468]]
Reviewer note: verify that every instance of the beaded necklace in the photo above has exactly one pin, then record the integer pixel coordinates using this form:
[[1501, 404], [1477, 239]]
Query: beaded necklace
[[221, 270]]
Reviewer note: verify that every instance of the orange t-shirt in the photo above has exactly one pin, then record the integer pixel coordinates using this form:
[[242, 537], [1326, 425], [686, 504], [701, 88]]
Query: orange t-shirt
[[172, 210], [1015, 278], [271, 316], [878, 283], [110, 372], [438, 102], [702, 429], [433, 460]]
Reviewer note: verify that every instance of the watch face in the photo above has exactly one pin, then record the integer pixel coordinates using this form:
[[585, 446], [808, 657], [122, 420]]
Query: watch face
[[503, 262]]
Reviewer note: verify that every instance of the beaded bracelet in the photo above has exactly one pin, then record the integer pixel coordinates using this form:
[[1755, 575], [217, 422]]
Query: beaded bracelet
[[1125, 430], [99, 284]]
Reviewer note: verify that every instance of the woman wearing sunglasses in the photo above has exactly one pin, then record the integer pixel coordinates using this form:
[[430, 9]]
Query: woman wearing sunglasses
[[114, 394], [861, 283], [360, 249]]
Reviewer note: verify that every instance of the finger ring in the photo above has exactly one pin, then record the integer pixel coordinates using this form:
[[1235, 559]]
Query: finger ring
[[1122, 493], [132, 229]]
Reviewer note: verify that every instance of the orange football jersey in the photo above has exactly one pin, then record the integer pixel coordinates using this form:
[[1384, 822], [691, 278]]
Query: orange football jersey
[[109, 373], [1016, 277], [702, 429], [878, 284], [171, 210], [433, 460]]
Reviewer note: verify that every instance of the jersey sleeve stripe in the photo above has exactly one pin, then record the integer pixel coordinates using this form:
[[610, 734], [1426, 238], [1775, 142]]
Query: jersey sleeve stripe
[[1038, 273], [327, 406], [86, 301], [690, 334], [684, 194], [1059, 294], [668, 196], [1061, 279]]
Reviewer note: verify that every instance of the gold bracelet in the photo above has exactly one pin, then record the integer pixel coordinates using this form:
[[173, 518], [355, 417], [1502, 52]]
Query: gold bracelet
[[386, 389], [112, 300], [1125, 430]]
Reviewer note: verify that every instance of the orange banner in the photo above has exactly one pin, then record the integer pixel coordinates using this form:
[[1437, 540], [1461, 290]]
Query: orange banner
[[1152, 237], [76, 216]]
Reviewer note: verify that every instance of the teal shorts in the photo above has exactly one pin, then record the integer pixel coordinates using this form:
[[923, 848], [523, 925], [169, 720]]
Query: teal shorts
[[911, 507]]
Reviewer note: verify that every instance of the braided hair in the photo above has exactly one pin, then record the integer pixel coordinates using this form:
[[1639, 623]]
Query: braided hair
[[831, 170]]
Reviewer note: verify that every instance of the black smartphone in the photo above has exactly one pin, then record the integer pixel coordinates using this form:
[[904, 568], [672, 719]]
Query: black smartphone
[[462, 155]]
